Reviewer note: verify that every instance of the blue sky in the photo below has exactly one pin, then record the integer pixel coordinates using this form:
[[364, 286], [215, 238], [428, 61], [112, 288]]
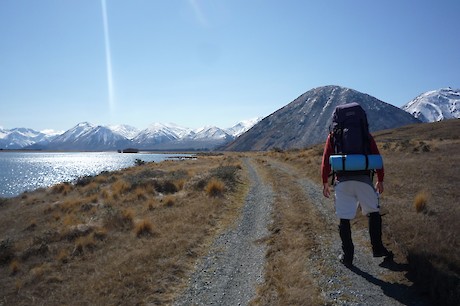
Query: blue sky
[[212, 62]]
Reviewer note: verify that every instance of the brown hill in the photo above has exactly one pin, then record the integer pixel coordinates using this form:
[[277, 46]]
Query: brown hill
[[306, 120]]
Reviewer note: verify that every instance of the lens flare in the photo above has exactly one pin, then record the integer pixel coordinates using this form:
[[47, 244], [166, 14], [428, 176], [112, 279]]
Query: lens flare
[[108, 57]]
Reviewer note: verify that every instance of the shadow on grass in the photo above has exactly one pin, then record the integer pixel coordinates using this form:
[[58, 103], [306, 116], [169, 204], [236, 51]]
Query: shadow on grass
[[404, 294]]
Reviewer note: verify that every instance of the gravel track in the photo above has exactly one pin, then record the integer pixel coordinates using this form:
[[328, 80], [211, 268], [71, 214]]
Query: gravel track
[[230, 272], [367, 283]]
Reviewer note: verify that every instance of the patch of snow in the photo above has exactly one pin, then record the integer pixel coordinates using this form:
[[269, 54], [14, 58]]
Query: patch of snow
[[435, 105]]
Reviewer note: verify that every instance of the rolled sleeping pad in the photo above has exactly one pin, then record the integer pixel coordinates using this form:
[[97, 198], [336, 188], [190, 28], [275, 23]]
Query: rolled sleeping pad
[[355, 162]]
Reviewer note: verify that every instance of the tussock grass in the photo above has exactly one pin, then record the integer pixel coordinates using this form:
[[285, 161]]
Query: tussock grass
[[70, 220], [421, 201], [105, 194], [63, 188], [63, 256], [140, 193], [165, 186], [92, 188], [143, 228], [69, 205], [116, 219], [85, 243], [169, 201], [151, 204], [215, 188], [14, 266], [120, 187]]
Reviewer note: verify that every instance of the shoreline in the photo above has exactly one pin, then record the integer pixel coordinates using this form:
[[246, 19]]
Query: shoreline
[[18, 178]]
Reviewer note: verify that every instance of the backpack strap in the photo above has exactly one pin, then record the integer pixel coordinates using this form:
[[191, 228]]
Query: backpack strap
[[333, 178]]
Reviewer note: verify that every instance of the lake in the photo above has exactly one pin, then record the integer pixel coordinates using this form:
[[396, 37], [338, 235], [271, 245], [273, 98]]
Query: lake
[[26, 171]]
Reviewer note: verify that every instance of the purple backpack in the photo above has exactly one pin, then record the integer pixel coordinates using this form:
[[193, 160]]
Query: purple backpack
[[350, 130]]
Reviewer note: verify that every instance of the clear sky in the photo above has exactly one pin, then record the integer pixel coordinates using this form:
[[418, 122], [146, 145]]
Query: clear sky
[[213, 62]]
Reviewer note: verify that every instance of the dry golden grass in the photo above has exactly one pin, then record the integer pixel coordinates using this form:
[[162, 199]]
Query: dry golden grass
[[421, 201], [63, 188], [214, 188], [63, 256], [143, 228], [120, 187], [83, 244], [91, 236], [168, 201], [14, 266], [287, 277]]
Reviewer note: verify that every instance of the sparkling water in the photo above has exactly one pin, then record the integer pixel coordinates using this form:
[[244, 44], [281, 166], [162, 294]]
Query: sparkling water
[[26, 171]]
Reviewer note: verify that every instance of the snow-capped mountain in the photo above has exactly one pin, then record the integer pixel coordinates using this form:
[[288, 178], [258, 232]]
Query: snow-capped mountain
[[435, 105], [208, 132], [124, 130], [242, 127], [20, 137], [86, 137], [89, 137], [158, 133]]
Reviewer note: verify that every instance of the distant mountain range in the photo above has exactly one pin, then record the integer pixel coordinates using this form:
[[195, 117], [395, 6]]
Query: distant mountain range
[[301, 123], [88, 137]]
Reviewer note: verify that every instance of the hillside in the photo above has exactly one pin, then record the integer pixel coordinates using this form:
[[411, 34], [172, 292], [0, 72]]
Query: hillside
[[135, 236], [306, 120]]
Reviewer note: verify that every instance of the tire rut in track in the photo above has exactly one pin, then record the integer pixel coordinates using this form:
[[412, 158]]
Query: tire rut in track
[[230, 272], [367, 283]]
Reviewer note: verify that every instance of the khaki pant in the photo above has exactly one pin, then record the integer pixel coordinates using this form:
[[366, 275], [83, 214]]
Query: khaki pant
[[350, 194]]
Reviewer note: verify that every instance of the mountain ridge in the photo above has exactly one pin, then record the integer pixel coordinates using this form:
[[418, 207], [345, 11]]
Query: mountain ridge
[[86, 136], [305, 121]]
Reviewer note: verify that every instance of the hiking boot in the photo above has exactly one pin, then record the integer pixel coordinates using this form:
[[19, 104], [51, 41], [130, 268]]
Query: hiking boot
[[375, 232], [347, 243], [382, 252], [346, 261]]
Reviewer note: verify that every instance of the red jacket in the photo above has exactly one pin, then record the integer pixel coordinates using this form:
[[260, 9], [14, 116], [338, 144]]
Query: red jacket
[[328, 151]]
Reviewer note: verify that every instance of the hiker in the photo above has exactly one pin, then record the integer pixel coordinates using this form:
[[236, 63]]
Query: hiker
[[350, 135]]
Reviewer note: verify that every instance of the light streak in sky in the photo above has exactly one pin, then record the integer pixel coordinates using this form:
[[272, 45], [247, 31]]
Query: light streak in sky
[[108, 57]]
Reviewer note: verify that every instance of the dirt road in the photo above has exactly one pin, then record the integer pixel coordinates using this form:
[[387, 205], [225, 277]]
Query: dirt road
[[231, 271], [228, 275], [370, 281]]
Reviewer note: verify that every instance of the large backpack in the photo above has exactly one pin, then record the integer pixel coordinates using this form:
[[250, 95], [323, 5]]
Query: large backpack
[[350, 130], [350, 135]]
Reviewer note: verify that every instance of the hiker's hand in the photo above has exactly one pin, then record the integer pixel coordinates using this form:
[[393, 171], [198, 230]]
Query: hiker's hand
[[379, 187], [326, 191]]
